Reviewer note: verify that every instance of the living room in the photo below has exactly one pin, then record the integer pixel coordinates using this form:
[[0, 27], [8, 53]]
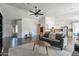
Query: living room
[[22, 26]]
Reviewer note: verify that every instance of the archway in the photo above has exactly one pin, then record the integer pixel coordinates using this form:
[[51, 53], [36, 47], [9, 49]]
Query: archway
[[1, 32]]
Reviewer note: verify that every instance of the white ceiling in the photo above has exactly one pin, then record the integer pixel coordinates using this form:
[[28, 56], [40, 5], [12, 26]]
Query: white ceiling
[[67, 11]]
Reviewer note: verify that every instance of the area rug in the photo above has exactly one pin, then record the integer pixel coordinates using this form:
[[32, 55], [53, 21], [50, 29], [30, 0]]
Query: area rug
[[27, 50]]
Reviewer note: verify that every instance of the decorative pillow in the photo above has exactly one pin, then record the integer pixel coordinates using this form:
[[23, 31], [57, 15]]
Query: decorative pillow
[[52, 36]]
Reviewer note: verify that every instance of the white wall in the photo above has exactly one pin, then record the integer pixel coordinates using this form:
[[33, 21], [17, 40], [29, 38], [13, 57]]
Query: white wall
[[42, 21], [19, 25], [28, 25], [10, 13], [49, 22], [76, 27]]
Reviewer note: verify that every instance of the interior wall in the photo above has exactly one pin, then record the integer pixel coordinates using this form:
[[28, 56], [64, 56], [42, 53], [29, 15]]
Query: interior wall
[[42, 21], [19, 25], [76, 27], [29, 25], [49, 22], [10, 13]]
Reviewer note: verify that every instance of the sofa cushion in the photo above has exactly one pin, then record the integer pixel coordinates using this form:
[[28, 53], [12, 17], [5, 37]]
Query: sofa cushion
[[52, 36]]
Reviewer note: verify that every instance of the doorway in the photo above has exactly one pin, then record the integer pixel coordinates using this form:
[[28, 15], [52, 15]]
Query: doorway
[[16, 33], [14, 28]]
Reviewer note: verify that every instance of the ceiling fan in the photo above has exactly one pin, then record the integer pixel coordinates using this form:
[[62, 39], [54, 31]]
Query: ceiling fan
[[36, 12]]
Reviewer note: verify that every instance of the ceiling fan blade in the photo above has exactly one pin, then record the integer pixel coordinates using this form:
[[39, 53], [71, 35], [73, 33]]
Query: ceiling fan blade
[[31, 11], [38, 11], [40, 14]]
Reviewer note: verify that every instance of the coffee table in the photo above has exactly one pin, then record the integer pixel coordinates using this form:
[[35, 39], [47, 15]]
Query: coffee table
[[41, 43]]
